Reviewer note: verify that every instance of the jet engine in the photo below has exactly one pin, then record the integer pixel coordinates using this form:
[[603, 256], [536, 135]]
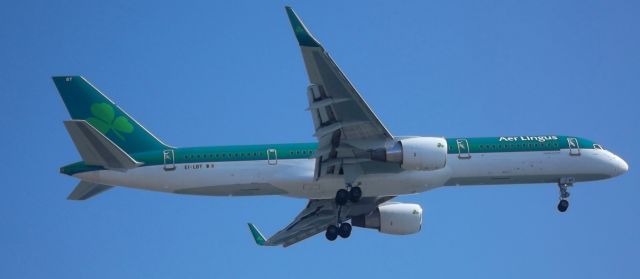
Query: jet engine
[[420, 153], [392, 218]]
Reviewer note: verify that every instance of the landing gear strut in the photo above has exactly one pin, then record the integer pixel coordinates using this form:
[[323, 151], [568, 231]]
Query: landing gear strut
[[563, 186]]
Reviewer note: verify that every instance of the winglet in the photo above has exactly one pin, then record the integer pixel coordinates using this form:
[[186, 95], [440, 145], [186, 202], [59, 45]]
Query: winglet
[[257, 236], [302, 33]]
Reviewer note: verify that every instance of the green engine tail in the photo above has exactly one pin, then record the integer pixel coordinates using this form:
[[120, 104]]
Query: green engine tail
[[85, 102]]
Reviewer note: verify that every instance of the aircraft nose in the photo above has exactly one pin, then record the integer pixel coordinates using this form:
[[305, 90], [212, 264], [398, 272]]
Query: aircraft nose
[[620, 165], [623, 166]]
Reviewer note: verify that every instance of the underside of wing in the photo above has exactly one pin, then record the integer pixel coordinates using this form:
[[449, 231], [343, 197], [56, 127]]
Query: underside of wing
[[315, 218]]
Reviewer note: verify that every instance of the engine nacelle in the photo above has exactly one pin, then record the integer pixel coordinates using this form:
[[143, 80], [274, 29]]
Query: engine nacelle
[[421, 153], [392, 218]]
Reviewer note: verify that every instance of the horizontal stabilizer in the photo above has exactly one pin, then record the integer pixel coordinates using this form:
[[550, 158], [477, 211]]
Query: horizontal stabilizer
[[96, 149], [86, 190]]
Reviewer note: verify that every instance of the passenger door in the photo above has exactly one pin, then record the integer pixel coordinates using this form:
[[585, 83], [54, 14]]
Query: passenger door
[[463, 149], [574, 146], [169, 160], [272, 156]]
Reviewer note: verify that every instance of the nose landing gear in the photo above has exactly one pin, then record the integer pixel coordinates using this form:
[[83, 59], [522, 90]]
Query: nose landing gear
[[563, 186], [563, 205]]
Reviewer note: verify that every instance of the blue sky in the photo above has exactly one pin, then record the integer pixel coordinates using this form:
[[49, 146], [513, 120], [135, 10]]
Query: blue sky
[[205, 73]]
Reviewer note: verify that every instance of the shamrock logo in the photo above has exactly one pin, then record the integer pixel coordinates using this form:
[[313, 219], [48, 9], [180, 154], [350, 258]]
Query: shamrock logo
[[104, 120]]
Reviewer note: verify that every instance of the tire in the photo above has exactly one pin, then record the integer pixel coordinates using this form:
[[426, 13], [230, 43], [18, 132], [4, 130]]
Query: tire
[[563, 205], [345, 230], [342, 196], [332, 233], [355, 194]]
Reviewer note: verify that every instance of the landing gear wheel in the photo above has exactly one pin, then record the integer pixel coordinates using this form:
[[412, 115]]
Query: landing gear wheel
[[332, 233], [342, 196], [563, 205], [345, 230], [355, 194], [563, 186]]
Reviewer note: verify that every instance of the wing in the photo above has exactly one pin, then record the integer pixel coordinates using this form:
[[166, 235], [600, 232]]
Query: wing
[[344, 124], [315, 218]]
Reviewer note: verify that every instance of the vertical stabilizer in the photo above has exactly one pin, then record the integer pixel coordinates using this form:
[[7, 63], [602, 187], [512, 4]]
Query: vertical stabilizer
[[85, 102]]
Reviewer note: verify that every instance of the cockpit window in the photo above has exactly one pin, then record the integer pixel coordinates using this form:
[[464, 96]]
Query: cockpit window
[[597, 146]]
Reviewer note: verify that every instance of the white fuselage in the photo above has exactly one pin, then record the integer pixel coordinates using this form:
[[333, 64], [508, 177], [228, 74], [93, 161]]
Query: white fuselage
[[295, 177]]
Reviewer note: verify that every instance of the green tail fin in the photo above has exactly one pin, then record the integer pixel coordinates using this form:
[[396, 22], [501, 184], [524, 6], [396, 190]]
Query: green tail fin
[[257, 236], [85, 102]]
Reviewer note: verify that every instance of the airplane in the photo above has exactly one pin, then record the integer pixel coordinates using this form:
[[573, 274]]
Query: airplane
[[350, 175]]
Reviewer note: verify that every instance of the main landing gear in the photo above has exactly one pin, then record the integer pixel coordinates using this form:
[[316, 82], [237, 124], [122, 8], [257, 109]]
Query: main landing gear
[[343, 230], [563, 186], [353, 194], [343, 196]]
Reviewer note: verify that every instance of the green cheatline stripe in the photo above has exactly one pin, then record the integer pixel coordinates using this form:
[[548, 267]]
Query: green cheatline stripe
[[514, 144], [217, 154]]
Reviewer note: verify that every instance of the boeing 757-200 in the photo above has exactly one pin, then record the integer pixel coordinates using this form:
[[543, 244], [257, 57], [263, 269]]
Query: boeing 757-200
[[349, 175]]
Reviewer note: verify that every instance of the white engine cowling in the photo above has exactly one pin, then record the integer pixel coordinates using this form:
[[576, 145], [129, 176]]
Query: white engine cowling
[[392, 218], [420, 153]]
